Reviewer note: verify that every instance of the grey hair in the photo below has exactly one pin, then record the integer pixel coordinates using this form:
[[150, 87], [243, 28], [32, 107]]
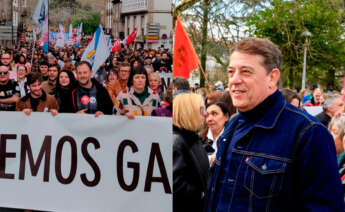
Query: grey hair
[[329, 101], [340, 123]]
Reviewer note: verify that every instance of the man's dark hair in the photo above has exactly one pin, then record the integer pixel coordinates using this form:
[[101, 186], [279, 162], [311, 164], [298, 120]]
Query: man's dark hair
[[84, 63], [125, 64], [32, 77], [264, 47], [44, 63], [55, 65], [181, 83]]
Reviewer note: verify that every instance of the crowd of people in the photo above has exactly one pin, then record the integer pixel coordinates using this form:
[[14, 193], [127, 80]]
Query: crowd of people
[[250, 147], [128, 83], [255, 146]]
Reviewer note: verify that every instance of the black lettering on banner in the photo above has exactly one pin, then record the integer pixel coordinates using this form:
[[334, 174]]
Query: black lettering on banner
[[132, 165], [4, 155], [34, 167], [58, 155], [156, 153], [91, 161], [164, 84]]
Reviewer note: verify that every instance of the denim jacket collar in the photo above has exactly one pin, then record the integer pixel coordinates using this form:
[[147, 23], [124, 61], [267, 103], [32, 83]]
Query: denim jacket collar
[[269, 119], [273, 113]]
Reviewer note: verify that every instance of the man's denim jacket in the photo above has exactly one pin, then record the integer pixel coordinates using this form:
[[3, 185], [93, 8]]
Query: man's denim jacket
[[286, 161]]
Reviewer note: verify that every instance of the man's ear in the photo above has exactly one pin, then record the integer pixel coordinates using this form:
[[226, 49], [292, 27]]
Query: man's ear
[[274, 77]]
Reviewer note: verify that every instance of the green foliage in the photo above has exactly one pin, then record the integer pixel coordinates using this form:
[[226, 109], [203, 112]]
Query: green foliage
[[284, 23], [90, 22], [222, 21]]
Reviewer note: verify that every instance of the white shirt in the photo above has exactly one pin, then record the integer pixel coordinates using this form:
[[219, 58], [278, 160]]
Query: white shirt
[[214, 145]]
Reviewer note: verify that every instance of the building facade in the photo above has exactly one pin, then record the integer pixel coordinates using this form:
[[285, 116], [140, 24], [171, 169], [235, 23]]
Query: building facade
[[152, 18], [12, 14]]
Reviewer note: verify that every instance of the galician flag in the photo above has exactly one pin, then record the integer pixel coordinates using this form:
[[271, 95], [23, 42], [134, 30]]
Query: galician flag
[[97, 51], [40, 14], [40, 17]]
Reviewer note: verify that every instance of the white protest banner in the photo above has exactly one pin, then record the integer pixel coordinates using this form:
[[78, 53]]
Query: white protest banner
[[313, 110], [77, 163], [166, 79]]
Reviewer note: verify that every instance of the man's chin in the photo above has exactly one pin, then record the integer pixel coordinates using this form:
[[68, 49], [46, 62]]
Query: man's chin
[[83, 83]]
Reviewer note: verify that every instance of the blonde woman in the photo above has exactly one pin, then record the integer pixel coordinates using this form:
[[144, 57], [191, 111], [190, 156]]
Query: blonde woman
[[190, 162], [154, 84]]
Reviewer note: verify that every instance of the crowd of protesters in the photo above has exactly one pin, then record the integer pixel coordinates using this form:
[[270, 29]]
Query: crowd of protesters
[[128, 83]]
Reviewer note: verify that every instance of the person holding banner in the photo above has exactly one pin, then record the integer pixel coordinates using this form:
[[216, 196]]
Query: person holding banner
[[37, 100], [190, 162], [137, 100], [90, 96], [65, 84]]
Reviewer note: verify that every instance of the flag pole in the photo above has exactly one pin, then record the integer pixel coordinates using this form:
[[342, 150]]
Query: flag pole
[[48, 25], [33, 47], [207, 82]]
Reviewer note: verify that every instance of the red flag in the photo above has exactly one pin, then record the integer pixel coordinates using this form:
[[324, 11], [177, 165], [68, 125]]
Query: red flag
[[117, 45], [185, 58], [132, 37]]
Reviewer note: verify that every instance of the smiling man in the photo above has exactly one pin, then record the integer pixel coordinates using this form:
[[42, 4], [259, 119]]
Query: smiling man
[[271, 156], [90, 96], [37, 100]]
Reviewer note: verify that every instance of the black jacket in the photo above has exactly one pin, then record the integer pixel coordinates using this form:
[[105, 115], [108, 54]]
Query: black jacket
[[103, 99], [190, 171], [323, 118]]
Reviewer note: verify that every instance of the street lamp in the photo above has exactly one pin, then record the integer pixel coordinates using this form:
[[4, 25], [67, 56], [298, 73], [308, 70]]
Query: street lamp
[[307, 35]]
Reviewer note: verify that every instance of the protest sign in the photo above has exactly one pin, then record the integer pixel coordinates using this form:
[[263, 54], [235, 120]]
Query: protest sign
[[80, 163], [313, 110]]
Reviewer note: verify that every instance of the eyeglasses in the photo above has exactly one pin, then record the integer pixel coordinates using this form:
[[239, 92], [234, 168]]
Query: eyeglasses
[[202, 110], [3, 72], [5, 58]]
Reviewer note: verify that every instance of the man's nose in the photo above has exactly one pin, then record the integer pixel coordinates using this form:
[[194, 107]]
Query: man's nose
[[235, 78]]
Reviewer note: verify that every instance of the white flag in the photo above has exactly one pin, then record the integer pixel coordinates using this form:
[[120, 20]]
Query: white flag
[[97, 50], [40, 14]]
